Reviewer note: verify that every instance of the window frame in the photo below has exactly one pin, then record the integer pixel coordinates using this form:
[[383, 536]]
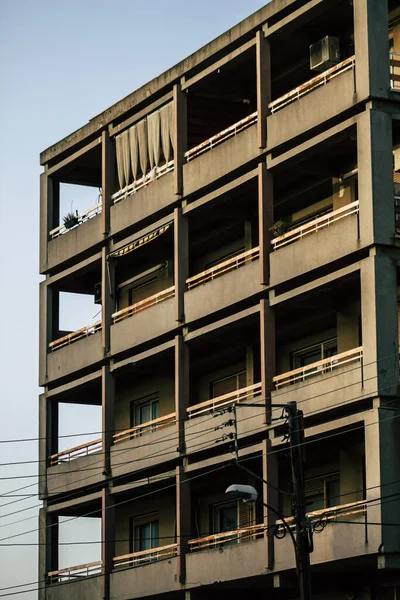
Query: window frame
[[136, 404]]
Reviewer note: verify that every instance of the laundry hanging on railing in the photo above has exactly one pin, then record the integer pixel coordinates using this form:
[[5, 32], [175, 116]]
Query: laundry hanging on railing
[[146, 145]]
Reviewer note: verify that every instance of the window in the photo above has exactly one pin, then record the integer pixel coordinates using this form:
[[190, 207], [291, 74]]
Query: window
[[145, 533], [225, 257], [225, 517], [322, 492], [143, 290], [145, 410], [225, 385], [313, 354]]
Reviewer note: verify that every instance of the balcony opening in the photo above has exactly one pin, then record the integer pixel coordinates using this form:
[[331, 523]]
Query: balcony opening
[[298, 69], [76, 307], [77, 195], [222, 104], [145, 399], [225, 368], [396, 173], [316, 193], [144, 272], [394, 44], [145, 529], [225, 237]]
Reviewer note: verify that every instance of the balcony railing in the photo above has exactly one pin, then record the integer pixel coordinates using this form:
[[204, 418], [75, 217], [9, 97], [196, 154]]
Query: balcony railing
[[245, 534], [220, 137], [224, 267], [394, 62], [148, 427], [137, 559], [312, 84], [74, 573], [232, 398], [318, 368], [91, 212], [74, 336], [314, 226], [76, 452], [143, 304], [143, 181], [326, 515]]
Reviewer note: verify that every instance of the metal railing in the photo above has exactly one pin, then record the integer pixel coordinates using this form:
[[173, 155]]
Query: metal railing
[[326, 515], [394, 62], [245, 534], [223, 267], [76, 452], [315, 225], [220, 137], [91, 212], [143, 181], [312, 84], [318, 368], [77, 572], [232, 398], [148, 427], [137, 559], [143, 304], [74, 336]]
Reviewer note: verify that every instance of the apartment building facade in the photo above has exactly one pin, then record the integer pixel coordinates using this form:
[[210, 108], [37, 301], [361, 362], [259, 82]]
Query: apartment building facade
[[244, 250]]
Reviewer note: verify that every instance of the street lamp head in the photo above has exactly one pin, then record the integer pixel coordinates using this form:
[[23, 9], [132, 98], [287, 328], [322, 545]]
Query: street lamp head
[[247, 493]]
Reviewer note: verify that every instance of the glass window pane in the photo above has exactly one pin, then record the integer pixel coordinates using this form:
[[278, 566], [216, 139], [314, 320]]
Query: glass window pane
[[333, 492]]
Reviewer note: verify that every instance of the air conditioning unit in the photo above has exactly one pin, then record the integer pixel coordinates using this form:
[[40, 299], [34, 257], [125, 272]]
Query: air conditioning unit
[[97, 293], [325, 53]]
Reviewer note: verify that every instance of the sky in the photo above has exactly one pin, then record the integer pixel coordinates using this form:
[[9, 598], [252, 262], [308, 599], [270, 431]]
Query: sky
[[62, 63]]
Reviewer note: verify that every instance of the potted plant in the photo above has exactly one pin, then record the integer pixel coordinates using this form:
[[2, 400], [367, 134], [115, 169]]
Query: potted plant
[[278, 228], [70, 220]]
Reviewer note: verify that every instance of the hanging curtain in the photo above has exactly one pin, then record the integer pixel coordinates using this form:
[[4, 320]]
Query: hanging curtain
[[126, 156], [142, 139], [120, 164], [166, 115], [153, 131], [133, 142]]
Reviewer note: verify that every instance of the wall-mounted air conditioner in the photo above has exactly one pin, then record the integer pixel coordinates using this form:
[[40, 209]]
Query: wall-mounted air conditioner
[[325, 53]]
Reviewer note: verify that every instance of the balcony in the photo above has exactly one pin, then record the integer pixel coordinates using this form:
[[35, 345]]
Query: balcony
[[63, 474], [227, 283], [86, 215], [74, 336], [144, 557], [216, 540], [73, 573], [296, 252], [223, 401], [75, 452], [143, 181], [347, 370], [86, 581], [153, 317]]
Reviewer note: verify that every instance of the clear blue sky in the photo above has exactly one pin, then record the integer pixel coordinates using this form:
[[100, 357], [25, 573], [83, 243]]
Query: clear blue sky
[[61, 63]]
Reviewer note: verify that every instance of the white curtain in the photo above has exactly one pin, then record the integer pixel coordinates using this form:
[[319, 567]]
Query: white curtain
[[120, 164], [153, 131], [143, 150], [126, 156], [134, 151], [166, 118]]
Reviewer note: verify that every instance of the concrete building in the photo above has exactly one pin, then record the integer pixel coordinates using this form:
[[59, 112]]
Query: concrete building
[[245, 249]]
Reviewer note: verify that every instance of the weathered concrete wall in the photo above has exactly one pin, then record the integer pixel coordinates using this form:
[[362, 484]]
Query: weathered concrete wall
[[75, 474], [86, 588], [79, 355], [76, 241]]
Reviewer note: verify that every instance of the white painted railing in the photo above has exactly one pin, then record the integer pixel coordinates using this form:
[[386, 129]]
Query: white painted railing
[[220, 137], [74, 336], [312, 84], [319, 367], [313, 226], [137, 559], [394, 62], [223, 267], [77, 572], [143, 181], [143, 428], [227, 399], [91, 212], [245, 534], [76, 452], [143, 304]]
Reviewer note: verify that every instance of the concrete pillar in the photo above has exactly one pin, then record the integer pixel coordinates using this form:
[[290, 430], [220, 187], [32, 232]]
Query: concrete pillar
[[42, 553], [183, 520], [263, 73], [181, 262], [108, 178], [48, 325], [107, 540], [379, 324], [181, 388], [49, 213], [270, 497], [266, 216], [179, 136], [107, 298], [108, 415], [375, 177], [371, 42], [267, 353]]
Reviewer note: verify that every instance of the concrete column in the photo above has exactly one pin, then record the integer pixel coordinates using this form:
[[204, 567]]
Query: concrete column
[[179, 136], [107, 540], [375, 177], [42, 552], [49, 213], [181, 388], [267, 353], [379, 324], [263, 71], [107, 298], [183, 520], [270, 497], [181, 262], [108, 415], [48, 325], [108, 163], [266, 216], [48, 437], [371, 28]]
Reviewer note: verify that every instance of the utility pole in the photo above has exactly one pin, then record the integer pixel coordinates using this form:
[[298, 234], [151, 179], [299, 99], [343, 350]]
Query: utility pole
[[303, 531]]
